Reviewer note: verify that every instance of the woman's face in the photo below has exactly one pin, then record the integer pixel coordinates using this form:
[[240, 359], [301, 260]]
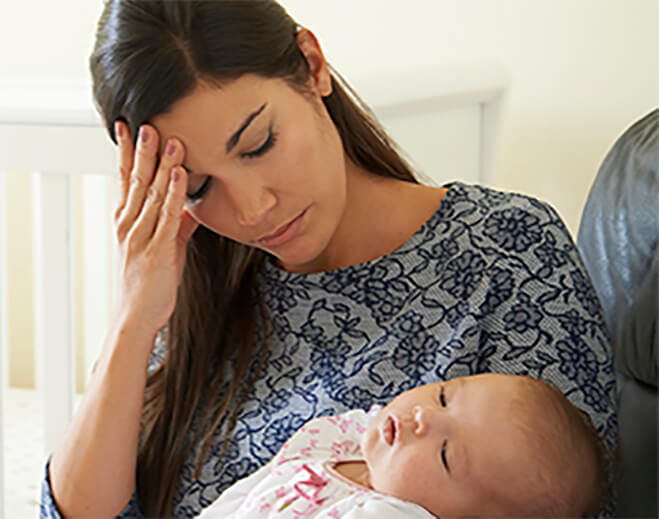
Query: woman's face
[[279, 184]]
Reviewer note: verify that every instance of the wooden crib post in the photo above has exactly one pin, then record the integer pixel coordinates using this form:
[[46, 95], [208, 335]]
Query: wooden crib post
[[53, 315]]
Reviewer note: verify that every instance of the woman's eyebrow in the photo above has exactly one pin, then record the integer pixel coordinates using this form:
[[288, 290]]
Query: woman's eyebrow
[[233, 141], [235, 138]]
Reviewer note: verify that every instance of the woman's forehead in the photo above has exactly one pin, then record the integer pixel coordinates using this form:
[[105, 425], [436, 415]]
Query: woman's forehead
[[230, 101], [215, 117]]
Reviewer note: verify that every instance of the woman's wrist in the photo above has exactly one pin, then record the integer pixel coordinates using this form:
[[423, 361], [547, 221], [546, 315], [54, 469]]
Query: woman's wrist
[[129, 335], [131, 322]]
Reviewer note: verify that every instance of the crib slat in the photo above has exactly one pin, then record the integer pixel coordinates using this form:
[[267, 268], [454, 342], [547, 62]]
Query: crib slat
[[53, 302], [97, 269]]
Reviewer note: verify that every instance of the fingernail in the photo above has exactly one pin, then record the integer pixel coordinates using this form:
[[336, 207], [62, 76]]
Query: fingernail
[[175, 174], [144, 134], [118, 129], [171, 148]]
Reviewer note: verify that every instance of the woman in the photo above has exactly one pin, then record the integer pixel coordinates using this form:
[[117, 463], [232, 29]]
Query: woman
[[281, 255]]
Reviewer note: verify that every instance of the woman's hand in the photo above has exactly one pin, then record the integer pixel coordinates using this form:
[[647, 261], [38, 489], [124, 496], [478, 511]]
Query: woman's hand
[[151, 226]]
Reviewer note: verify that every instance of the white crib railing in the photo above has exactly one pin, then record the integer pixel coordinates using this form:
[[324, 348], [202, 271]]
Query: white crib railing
[[49, 129]]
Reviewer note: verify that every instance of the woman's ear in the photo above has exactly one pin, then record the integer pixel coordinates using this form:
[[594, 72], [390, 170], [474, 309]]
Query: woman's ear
[[319, 67]]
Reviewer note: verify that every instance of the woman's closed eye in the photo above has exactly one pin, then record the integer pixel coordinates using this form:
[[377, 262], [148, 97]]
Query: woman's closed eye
[[269, 143], [199, 192]]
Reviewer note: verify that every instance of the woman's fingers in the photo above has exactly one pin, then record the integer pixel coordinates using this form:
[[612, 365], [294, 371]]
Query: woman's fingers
[[144, 166], [125, 143], [152, 254], [157, 192], [152, 193], [172, 214]]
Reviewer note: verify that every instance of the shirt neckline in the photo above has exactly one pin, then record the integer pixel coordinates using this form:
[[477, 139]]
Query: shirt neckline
[[271, 270]]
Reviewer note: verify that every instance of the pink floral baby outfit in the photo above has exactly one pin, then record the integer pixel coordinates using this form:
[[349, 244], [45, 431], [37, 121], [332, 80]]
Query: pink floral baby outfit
[[300, 482]]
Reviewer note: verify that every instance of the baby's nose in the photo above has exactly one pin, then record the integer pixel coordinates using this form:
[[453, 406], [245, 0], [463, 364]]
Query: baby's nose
[[429, 419], [422, 420]]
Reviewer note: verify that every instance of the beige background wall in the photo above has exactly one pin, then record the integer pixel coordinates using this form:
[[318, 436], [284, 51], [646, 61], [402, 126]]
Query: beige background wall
[[582, 71], [19, 282]]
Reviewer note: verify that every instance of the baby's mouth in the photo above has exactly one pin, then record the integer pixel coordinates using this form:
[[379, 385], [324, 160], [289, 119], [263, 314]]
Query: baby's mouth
[[389, 430]]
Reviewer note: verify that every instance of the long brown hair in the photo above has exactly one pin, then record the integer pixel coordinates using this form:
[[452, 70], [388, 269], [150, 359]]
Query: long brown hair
[[147, 56]]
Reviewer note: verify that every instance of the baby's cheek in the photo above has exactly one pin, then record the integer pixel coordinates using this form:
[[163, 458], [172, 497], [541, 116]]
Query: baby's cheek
[[367, 442], [391, 480], [412, 478]]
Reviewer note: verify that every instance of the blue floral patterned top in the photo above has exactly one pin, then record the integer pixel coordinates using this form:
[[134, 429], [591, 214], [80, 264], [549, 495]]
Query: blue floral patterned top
[[491, 282]]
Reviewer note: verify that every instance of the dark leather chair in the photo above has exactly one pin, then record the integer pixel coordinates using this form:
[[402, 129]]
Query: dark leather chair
[[617, 239]]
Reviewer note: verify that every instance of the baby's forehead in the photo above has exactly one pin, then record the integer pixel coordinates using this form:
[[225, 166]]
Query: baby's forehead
[[502, 380]]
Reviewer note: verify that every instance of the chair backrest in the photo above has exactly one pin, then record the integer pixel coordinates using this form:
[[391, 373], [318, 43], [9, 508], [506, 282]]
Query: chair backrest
[[617, 239]]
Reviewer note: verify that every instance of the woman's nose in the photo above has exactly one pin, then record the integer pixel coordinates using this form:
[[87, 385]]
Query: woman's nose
[[251, 203]]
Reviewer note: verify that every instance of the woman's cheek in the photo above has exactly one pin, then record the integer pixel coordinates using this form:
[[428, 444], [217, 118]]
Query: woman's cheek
[[301, 147], [214, 212]]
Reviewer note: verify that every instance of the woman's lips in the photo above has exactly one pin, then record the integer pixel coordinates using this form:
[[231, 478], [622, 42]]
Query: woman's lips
[[287, 233]]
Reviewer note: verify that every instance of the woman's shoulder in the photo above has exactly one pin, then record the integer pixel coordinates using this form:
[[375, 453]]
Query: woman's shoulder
[[500, 215], [483, 209], [492, 198]]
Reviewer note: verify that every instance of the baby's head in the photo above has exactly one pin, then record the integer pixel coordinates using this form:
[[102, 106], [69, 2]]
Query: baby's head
[[487, 445]]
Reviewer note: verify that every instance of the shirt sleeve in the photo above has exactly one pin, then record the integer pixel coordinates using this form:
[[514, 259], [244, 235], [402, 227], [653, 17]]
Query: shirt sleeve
[[47, 508], [541, 317]]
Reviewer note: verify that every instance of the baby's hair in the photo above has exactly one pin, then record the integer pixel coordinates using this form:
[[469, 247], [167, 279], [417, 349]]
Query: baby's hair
[[606, 464], [567, 437], [607, 460]]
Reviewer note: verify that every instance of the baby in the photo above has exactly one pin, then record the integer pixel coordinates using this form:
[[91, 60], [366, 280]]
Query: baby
[[488, 445]]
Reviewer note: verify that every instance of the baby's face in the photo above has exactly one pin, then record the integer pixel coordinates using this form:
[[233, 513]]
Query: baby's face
[[446, 446]]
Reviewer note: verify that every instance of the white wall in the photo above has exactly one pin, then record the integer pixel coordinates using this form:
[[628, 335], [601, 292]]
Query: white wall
[[582, 70]]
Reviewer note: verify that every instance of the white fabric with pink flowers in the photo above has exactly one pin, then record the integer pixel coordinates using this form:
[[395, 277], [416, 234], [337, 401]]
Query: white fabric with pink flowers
[[299, 481]]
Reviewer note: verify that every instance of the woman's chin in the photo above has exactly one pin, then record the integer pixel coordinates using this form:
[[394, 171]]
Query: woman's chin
[[301, 260]]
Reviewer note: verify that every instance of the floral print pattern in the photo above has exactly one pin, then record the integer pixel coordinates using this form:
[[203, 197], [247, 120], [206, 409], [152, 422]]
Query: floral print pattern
[[491, 282]]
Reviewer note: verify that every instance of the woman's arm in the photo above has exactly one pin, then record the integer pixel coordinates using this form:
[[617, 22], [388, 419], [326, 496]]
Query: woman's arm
[[92, 470]]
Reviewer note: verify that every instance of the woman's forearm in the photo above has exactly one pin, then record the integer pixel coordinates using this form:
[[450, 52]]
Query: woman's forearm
[[92, 470]]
